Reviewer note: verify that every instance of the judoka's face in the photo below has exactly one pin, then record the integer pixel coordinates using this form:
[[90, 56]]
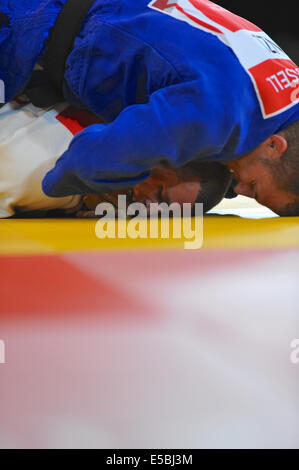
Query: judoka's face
[[167, 185], [255, 177], [164, 185]]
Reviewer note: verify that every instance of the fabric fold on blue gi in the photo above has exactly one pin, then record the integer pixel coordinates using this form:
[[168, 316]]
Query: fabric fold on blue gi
[[23, 38]]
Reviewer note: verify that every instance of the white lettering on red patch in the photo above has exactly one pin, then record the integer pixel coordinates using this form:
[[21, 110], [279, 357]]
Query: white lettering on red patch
[[273, 74]]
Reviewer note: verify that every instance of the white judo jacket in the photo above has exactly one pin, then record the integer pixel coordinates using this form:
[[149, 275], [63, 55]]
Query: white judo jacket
[[31, 140]]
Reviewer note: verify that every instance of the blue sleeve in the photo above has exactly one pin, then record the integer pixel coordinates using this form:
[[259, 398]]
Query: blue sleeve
[[179, 124]]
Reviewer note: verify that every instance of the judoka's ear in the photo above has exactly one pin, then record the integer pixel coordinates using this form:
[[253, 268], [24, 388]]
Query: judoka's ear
[[275, 146]]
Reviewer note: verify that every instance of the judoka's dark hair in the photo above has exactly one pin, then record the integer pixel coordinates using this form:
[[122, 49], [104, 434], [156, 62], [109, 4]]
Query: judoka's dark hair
[[286, 170], [215, 180]]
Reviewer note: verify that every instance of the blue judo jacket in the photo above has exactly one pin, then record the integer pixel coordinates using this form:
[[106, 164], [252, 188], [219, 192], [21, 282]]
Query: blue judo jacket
[[169, 78]]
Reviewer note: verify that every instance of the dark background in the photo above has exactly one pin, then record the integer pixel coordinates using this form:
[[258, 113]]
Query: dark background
[[279, 19]]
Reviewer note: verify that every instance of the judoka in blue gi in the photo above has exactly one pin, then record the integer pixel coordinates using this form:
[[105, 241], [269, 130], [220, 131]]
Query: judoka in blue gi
[[177, 82]]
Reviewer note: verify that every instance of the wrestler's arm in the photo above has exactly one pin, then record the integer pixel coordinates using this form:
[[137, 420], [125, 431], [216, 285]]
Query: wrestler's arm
[[179, 124]]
